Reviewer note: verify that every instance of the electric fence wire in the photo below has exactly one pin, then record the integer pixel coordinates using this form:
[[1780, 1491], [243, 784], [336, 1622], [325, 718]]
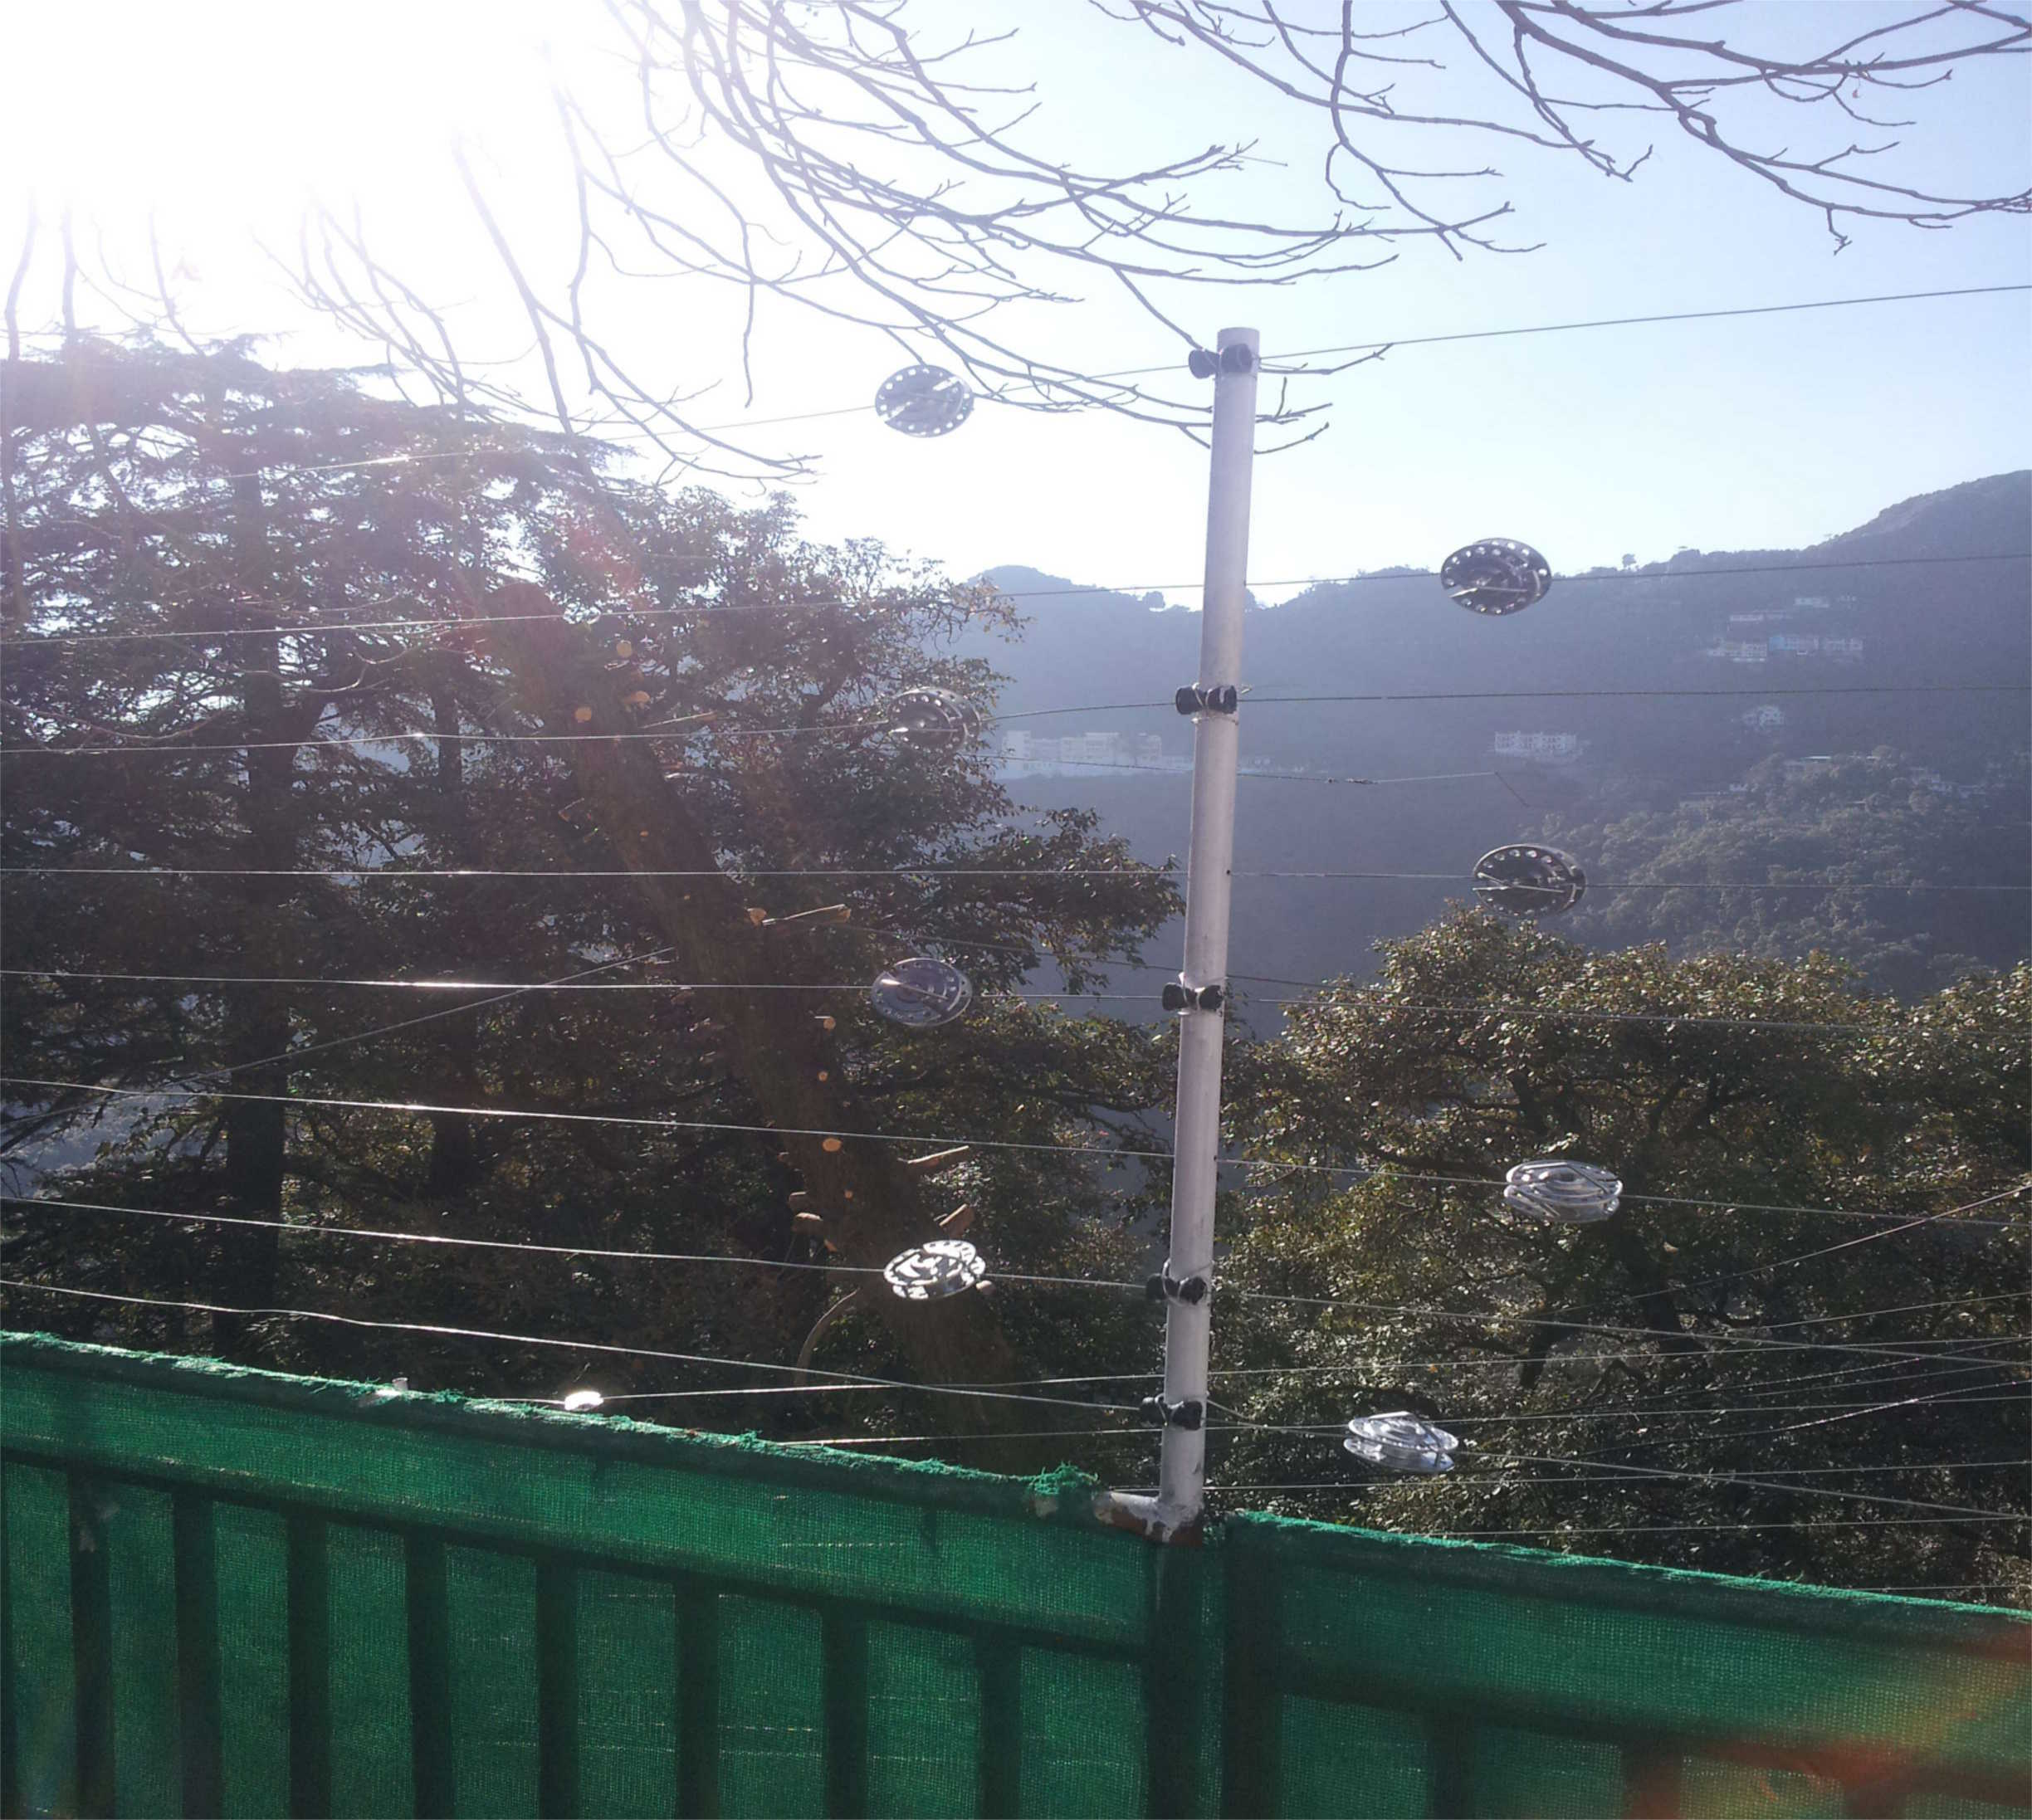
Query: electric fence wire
[[640, 1121], [1893, 1370], [620, 617], [1616, 322], [1371, 1369], [1497, 1008], [1171, 367], [1850, 1413], [1942, 1585], [1604, 1476], [1956, 1398], [1892, 1361], [1945, 1514], [839, 1381], [1903, 1372], [1906, 1308], [1324, 1430], [1559, 1528], [1884, 1352], [395, 873], [849, 1380], [1463, 336], [293, 1055], [1757, 1482]]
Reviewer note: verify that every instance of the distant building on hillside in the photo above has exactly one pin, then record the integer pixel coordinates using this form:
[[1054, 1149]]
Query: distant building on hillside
[[1812, 603], [1737, 652], [1793, 644], [1539, 748], [1026, 754], [1766, 718]]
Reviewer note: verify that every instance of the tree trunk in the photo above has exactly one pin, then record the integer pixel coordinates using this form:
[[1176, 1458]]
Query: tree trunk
[[455, 1163], [873, 1206], [258, 1017]]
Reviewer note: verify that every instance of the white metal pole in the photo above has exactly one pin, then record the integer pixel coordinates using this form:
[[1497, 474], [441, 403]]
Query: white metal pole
[[1216, 742]]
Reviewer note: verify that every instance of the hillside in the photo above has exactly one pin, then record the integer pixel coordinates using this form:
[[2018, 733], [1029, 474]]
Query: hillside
[[1797, 623]]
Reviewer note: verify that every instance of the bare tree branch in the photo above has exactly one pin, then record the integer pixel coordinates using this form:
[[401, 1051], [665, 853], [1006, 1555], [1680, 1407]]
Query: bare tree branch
[[846, 162]]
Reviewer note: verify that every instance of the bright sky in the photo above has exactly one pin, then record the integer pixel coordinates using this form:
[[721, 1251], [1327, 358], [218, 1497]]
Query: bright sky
[[220, 120]]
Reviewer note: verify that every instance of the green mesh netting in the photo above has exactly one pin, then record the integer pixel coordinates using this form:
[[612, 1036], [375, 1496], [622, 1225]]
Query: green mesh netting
[[232, 1593]]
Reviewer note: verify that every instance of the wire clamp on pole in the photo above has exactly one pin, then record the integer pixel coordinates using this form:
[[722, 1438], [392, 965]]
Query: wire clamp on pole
[[1188, 1414], [1164, 1287], [1203, 363], [1219, 699], [1177, 996]]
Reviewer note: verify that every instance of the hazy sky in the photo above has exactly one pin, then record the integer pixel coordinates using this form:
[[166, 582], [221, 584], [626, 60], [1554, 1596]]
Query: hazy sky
[[220, 118]]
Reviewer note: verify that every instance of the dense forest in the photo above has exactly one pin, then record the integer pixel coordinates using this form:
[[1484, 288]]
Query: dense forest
[[423, 844]]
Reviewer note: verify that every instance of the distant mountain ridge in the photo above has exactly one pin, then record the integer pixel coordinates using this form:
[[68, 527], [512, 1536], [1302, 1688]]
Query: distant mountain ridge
[[1918, 619], [1985, 515], [1675, 680]]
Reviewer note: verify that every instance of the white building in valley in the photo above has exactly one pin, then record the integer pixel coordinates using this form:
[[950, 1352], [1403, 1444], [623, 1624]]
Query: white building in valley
[[1538, 748], [1026, 754]]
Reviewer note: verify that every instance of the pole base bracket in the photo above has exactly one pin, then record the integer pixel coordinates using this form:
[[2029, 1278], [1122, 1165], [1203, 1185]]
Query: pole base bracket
[[1150, 1517]]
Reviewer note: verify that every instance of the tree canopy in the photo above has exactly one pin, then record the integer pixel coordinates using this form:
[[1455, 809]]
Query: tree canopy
[[266, 776], [1787, 1291]]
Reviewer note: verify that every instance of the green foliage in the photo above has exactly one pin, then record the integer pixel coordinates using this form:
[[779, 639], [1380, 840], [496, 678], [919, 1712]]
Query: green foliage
[[1708, 1329], [138, 513], [1863, 821]]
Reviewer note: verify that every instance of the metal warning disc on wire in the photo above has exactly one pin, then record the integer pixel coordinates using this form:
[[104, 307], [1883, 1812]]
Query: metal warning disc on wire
[[935, 718], [924, 401], [1524, 880], [576, 1400], [1556, 1189], [928, 1273], [921, 992], [1496, 576], [1402, 1441]]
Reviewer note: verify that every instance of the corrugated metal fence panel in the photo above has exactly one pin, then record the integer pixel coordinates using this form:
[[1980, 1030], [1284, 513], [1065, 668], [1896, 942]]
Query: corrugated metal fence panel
[[231, 1592]]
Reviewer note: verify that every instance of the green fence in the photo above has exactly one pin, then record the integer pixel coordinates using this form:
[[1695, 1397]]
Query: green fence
[[231, 1592]]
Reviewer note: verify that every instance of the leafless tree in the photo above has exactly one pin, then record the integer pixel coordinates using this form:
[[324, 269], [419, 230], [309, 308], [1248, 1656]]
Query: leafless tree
[[1556, 63], [842, 159], [870, 162]]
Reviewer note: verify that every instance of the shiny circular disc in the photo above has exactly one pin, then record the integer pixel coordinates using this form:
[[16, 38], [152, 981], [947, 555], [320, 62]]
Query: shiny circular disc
[[924, 401], [933, 717], [1557, 1188], [921, 993], [1496, 576], [945, 1267], [1402, 1441], [1525, 880]]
